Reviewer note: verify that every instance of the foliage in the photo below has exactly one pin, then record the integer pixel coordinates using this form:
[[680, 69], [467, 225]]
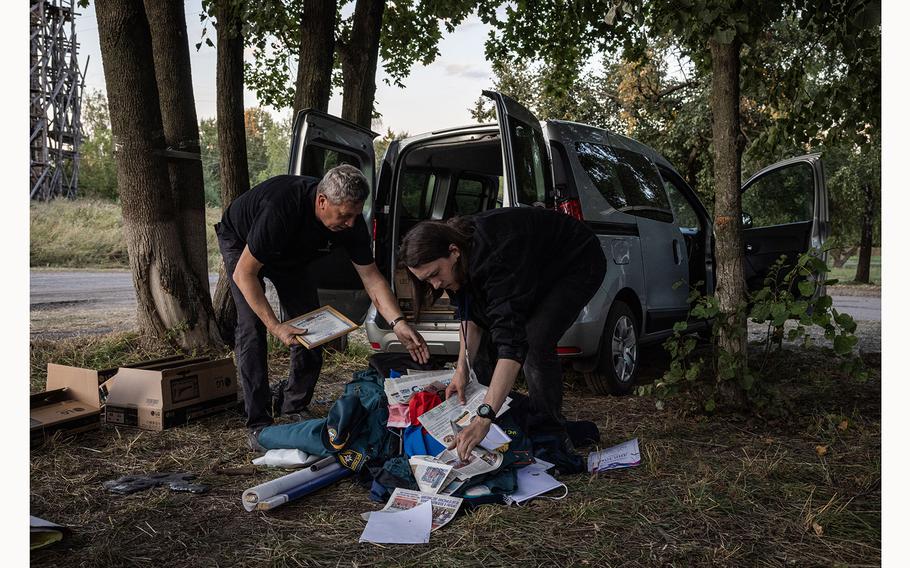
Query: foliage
[[97, 169], [381, 144], [268, 143], [791, 293], [411, 31]]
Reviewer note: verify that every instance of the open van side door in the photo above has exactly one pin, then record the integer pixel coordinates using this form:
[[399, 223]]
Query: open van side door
[[527, 171], [320, 142], [785, 212]]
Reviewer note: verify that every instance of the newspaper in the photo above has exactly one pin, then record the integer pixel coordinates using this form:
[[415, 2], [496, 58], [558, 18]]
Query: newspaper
[[619, 456], [400, 389], [438, 421], [430, 473], [444, 507], [480, 461]]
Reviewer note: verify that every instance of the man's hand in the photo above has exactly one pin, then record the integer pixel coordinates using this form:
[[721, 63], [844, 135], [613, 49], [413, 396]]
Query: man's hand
[[470, 436], [287, 334], [412, 341], [458, 384]]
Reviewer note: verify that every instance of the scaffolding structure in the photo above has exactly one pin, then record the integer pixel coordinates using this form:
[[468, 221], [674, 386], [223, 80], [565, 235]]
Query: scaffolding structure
[[56, 87]]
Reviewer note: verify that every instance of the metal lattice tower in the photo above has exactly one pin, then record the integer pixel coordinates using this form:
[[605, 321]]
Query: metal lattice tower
[[56, 98]]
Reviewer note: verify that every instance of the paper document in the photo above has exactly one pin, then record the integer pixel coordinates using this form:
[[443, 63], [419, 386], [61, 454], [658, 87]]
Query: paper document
[[533, 481], [444, 508], [438, 421], [480, 461], [617, 457], [409, 526], [495, 439], [400, 389], [286, 458], [430, 473]]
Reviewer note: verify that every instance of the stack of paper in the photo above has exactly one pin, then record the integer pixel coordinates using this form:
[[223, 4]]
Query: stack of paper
[[617, 457], [399, 390]]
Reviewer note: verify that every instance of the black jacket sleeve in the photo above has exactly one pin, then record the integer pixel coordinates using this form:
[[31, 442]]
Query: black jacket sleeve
[[509, 304]]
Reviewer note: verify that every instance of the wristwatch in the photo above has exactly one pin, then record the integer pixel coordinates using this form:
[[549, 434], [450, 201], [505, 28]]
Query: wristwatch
[[486, 411]]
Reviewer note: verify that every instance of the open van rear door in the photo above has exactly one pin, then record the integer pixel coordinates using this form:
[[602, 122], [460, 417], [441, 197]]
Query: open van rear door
[[320, 142], [526, 161], [785, 212]]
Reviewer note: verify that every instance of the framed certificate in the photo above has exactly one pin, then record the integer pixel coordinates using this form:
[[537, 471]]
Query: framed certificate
[[322, 325]]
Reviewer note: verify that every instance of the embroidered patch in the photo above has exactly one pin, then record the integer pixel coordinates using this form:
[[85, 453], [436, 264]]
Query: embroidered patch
[[350, 459]]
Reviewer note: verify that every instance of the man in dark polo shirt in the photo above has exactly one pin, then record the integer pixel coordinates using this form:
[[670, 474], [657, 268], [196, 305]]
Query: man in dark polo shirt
[[274, 231]]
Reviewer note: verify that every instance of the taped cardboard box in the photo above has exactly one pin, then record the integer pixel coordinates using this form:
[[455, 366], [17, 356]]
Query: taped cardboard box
[[170, 393], [70, 402]]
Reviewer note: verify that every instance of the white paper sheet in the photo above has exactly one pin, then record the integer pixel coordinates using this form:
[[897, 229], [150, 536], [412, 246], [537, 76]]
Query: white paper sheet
[[411, 526], [534, 481], [616, 457], [286, 458]]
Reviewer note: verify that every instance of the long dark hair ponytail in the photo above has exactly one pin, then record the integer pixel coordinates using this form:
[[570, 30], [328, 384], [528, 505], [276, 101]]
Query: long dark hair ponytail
[[428, 241]]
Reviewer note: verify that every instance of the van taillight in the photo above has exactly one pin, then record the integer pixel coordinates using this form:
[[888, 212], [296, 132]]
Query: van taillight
[[571, 207]]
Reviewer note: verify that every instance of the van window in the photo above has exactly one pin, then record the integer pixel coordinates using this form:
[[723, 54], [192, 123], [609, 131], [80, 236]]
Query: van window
[[470, 196], [417, 189], [782, 196], [627, 180], [686, 217], [529, 155]]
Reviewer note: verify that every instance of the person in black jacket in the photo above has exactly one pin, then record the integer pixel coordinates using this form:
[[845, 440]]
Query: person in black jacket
[[519, 277], [274, 231]]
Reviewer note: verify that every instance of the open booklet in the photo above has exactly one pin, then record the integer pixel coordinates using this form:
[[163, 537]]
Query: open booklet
[[399, 390], [438, 421]]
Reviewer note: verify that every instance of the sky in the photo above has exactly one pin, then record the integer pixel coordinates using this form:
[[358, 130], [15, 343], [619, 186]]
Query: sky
[[435, 96]]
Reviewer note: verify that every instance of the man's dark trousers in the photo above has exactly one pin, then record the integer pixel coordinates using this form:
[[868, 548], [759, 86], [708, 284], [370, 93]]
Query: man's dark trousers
[[297, 294]]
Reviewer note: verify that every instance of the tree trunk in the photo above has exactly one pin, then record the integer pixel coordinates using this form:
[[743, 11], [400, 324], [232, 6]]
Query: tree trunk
[[233, 166], [841, 255], [359, 55], [170, 299], [171, 53], [863, 266], [316, 60], [731, 288]]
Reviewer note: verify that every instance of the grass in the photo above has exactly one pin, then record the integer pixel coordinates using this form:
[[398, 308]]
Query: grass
[[723, 489], [847, 273], [88, 233]]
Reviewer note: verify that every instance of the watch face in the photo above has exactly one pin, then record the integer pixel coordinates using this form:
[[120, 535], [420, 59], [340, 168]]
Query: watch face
[[485, 411]]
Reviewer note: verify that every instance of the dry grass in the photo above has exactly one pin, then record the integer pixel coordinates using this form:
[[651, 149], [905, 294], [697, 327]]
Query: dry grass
[[88, 233], [726, 489]]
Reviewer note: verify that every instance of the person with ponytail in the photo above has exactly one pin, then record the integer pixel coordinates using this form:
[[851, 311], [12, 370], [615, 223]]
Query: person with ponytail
[[519, 278]]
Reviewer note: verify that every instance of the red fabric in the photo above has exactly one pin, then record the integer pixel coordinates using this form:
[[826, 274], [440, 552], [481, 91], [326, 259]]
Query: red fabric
[[420, 403]]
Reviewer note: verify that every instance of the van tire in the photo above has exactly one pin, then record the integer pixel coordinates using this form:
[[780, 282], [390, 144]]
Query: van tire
[[623, 326]]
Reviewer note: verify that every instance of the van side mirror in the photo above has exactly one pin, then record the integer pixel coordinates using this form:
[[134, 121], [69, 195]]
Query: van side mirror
[[747, 220]]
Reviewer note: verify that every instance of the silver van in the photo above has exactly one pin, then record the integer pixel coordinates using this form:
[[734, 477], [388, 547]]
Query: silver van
[[653, 229]]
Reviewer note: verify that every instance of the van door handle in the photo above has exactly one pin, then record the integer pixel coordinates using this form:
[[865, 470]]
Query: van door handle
[[675, 251]]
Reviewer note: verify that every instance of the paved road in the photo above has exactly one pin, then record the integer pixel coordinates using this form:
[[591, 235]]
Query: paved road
[[100, 290]]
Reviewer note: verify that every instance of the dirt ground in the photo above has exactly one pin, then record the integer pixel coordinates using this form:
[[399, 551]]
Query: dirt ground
[[803, 489]]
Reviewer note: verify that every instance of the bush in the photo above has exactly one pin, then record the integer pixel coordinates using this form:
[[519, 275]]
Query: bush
[[789, 294]]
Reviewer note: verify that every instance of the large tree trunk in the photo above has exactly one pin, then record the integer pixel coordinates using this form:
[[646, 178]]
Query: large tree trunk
[[171, 53], [170, 299], [359, 56], [316, 60], [863, 267], [233, 166], [731, 288]]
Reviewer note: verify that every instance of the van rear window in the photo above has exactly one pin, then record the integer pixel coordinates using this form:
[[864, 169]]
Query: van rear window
[[628, 181]]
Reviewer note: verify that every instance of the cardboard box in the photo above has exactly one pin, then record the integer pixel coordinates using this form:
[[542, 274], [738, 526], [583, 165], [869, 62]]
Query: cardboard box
[[70, 402], [169, 393]]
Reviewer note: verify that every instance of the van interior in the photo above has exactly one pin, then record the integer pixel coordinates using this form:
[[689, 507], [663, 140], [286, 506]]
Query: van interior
[[439, 180]]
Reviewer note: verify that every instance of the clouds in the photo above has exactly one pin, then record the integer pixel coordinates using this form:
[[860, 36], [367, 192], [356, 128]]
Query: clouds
[[466, 70]]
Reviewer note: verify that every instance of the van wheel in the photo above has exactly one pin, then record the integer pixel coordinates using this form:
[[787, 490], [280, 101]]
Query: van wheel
[[617, 366]]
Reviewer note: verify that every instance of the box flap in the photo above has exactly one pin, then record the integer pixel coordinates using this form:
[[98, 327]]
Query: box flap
[[134, 388], [65, 411], [81, 384]]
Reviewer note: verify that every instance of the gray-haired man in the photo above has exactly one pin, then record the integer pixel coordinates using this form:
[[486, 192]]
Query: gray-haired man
[[274, 231]]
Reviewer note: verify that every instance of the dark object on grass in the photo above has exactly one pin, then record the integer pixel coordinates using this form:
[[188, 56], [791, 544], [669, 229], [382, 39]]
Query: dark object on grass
[[401, 362], [174, 481], [582, 433]]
